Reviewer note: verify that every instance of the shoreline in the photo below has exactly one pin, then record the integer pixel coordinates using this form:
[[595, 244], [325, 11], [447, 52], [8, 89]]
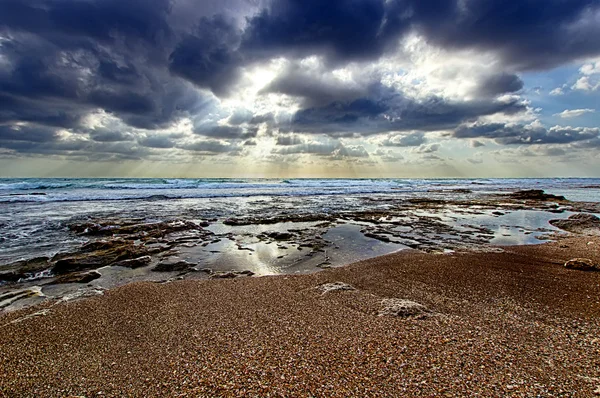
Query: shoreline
[[511, 323]]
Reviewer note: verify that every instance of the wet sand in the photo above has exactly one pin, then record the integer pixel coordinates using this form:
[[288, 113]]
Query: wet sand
[[514, 323]]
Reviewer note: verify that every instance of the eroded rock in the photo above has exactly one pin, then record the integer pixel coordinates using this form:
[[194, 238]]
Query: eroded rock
[[582, 264], [581, 223], [79, 277], [134, 262], [535, 194]]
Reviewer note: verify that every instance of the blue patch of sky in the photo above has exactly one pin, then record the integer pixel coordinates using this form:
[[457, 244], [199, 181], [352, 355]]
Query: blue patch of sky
[[538, 86]]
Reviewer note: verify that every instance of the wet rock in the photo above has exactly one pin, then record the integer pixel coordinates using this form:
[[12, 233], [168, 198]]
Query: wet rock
[[581, 223], [381, 238], [71, 262], [7, 299], [10, 276], [402, 308], [223, 275], [80, 277], [279, 235], [230, 274], [279, 219], [128, 227], [24, 269], [335, 286], [173, 266], [582, 264], [535, 194], [134, 262]]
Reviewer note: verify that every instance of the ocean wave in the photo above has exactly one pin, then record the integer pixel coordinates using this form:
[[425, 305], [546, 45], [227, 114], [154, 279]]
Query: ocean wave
[[29, 186], [195, 194]]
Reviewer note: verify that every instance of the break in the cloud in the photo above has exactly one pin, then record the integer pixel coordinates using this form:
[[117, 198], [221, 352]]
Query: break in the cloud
[[253, 83]]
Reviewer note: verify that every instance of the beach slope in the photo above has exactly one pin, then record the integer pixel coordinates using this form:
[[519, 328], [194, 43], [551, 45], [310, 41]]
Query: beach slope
[[495, 323]]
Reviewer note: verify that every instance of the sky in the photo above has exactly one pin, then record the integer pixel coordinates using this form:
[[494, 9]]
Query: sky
[[299, 88]]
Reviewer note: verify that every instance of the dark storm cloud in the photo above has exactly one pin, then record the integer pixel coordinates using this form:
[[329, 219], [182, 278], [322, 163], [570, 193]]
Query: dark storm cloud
[[110, 135], [500, 84], [528, 34], [208, 57], [506, 134], [103, 21], [392, 112], [27, 133], [342, 29], [314, 88], [65, 59], [154, 141], [140, 61], [225, 132]]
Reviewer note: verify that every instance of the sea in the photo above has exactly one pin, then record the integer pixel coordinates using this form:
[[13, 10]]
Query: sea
[[35, 212]]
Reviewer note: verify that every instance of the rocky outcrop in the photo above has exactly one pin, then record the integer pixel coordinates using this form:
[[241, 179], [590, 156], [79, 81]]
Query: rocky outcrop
[[134, 262], [77, 277], [536, 194], [173, 266], [581, 223], [24, 269], [230, 274], [582, 264], [113, 252]]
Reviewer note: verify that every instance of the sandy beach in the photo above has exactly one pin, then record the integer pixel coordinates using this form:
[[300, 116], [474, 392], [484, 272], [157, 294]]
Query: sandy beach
[[511, 323]]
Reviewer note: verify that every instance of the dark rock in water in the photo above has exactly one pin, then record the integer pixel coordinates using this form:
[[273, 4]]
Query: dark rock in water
[[80, 277], [230, 274], [157, 197], [101, 245], [279, 219], [582, 223], [134, 262], [146, 230], [10, 276], [223, 275], [582, 264], [24, 269], [381, 238], [246, 272], [172, 266], [535, 194], [279, 235], [71, 262]]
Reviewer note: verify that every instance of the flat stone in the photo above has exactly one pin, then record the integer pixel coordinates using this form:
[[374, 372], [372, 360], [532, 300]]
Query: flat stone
[[171, 266], [134, 262], [402, 308], [80, 277], [335, 286]]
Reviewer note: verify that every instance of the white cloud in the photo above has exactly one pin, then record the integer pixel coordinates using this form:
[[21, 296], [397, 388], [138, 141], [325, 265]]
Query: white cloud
[[593, 68], [584, 83], [557, 91], [571, 113]]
